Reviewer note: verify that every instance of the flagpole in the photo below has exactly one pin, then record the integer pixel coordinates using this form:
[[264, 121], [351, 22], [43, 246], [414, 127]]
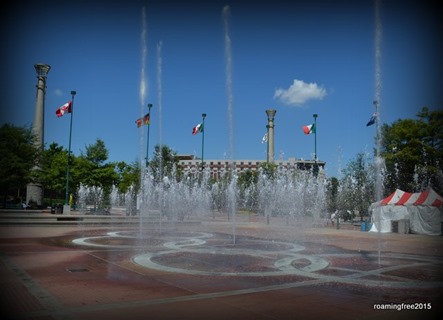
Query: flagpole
[[149, 126], [267, 143], [315, 136], [203, 137], [379, 181], [67, 208], [377, 128], [315, 145]]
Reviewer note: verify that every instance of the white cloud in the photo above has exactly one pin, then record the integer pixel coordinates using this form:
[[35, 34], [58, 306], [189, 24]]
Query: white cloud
[[299, 92], [58, 92]]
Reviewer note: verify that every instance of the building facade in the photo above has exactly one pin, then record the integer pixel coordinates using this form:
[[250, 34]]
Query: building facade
[[189, 164]]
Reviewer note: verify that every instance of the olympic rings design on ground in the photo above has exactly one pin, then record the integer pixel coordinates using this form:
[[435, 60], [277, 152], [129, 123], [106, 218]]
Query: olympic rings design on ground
[[282, 258]]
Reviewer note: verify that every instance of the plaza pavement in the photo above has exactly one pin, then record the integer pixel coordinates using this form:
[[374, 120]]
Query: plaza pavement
[[44, 275]]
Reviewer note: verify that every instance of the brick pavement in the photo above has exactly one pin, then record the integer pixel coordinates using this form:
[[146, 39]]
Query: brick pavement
[[45, 276]]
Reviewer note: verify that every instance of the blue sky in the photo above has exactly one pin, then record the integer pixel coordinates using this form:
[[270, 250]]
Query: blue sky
[[298, 57]]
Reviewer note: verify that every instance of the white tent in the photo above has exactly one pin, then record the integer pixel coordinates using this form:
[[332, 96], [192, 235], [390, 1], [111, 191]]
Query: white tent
[[420, 212]]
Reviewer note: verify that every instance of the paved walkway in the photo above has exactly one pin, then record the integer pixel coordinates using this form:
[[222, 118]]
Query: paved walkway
[[216, 270]]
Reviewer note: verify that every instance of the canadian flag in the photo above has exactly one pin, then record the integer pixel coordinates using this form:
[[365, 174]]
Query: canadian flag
[[63, 109]]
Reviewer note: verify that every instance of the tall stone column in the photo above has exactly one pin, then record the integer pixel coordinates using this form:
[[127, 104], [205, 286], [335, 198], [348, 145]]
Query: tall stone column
[[270, 127], [34, 191]]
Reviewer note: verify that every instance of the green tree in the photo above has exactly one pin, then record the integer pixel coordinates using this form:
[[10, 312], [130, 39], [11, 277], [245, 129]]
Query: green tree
[[413, 152], [164, 162], [94, 172], [357, 187], [332, 187], [269, 169], [18, 156], [128, 176], [53, 174], [247, 178], [247, 183], [128, 182]]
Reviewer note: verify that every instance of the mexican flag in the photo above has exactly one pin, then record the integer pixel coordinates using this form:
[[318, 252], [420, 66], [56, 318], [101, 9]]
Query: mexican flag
[[309, 129], [198, 128]]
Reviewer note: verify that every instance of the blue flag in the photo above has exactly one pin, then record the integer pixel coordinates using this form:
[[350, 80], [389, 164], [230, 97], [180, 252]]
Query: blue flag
[[372, 120]]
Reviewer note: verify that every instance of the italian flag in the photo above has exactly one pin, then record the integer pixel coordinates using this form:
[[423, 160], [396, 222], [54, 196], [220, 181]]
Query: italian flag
[[309, 129], [198, 128]]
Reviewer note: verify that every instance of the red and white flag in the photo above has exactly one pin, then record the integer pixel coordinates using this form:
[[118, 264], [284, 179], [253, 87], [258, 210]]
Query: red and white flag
[[66, 108]]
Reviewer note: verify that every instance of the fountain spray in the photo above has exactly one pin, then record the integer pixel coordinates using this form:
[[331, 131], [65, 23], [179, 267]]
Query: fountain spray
[[228, 57], [142, 91], [377, 101], [160, 109]]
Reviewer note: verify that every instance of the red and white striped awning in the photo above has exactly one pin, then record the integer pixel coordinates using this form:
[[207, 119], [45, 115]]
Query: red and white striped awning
[[426, 198]]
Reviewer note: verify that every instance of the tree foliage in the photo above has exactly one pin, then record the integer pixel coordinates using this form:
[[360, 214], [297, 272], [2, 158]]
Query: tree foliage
[[93, 171], [413, 152], [164, 162], [332, 194], [18, 157], [53, 174], [269, 169], [128, 176], [357, 187]]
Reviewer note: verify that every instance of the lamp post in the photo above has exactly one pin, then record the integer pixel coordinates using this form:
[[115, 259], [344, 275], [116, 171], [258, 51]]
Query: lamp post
[[67, 206], [149, 126], [203, 138]]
